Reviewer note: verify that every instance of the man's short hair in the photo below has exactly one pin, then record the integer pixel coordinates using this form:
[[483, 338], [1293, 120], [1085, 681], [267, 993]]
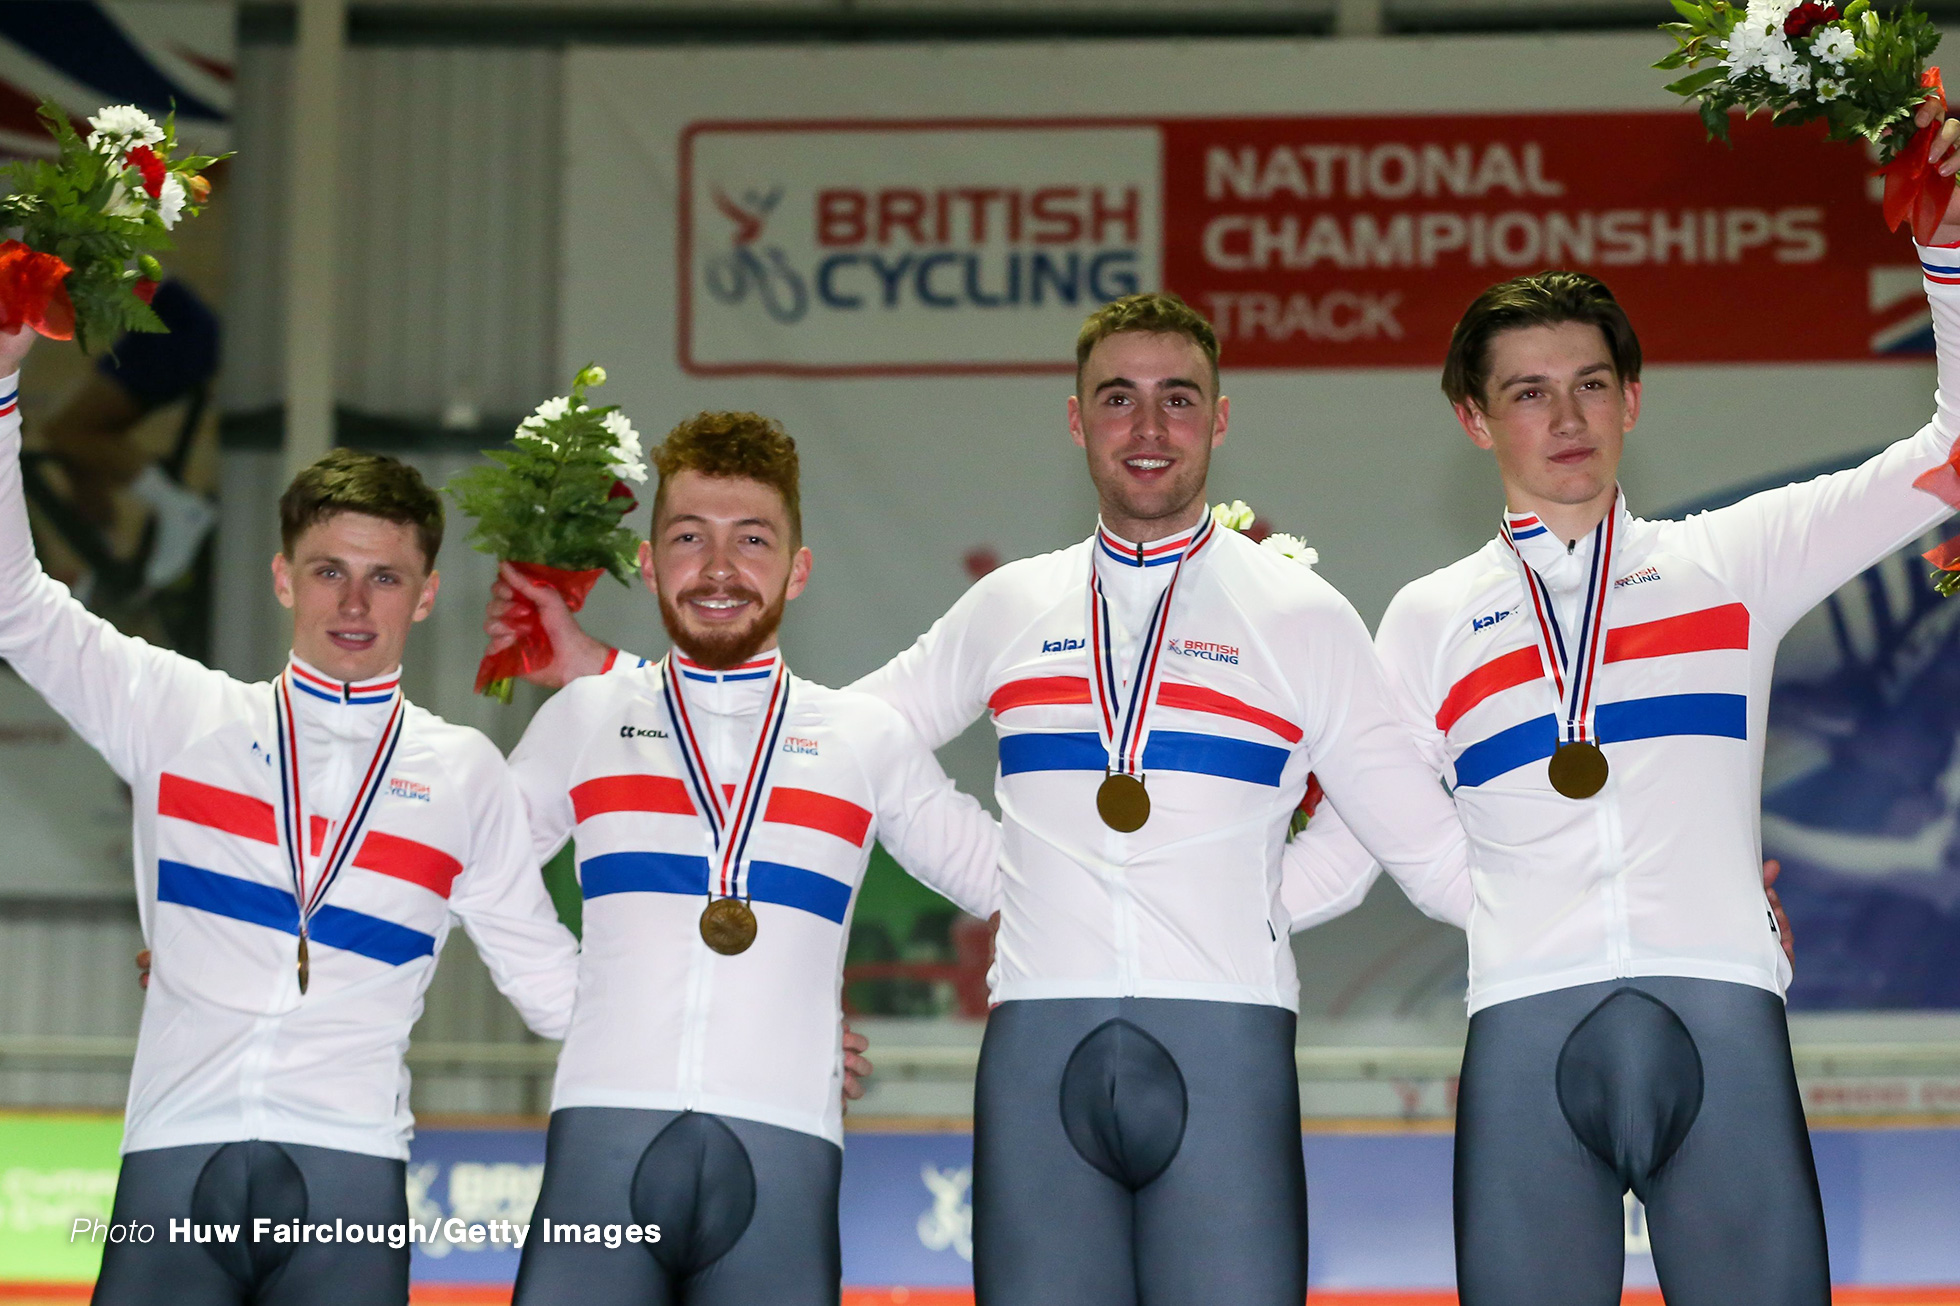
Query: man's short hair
[[373, 484], [1157, 312], [745, 445], [1542, 299]]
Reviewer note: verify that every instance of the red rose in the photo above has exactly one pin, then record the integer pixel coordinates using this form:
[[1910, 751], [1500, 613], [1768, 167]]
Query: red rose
[[145, 289], [621, 490], [1807, 18], [145, 161]]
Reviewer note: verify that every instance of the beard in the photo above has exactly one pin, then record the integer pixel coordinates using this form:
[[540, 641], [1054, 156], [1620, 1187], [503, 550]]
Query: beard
[[718, 649]]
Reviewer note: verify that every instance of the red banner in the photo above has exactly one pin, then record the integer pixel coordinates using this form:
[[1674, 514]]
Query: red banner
[[1356, 242]]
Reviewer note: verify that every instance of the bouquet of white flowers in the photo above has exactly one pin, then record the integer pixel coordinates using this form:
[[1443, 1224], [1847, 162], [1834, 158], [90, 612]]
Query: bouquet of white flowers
[[1862, 73], [551, 505], [91, 222]]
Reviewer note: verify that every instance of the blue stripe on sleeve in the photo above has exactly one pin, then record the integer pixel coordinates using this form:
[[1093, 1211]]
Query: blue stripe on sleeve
[[792, 886]]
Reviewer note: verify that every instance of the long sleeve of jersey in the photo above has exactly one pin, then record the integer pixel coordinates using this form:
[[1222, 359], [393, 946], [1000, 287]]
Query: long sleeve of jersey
[[943, 837], [1325, 872], [938, 684], [1388, 804], [130, 700], [541, 764], [1785, 550], [503, 904]]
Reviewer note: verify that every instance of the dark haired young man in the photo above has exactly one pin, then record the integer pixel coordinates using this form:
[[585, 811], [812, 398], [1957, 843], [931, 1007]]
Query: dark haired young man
[[1594, 687], [723, 812], [301, 848], [1161, 692]]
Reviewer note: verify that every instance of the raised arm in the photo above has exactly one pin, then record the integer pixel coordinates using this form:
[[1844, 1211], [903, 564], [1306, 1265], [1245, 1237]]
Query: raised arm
[[1787, 549], [943, 837], [501, 899], [134, 703]]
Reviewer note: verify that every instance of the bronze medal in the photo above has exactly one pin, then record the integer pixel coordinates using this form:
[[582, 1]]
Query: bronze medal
[[1123, 803], [727, 926], [1578, 769], [303, 968]]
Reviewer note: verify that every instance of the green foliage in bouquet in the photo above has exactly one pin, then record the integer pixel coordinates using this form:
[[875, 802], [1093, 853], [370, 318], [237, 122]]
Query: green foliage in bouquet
[[1857, 70], [105, 207], [556, 495]]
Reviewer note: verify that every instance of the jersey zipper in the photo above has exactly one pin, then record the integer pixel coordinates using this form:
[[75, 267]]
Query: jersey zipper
[[1612, 841]]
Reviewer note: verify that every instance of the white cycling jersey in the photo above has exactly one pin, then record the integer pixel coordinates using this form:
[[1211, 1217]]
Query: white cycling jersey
[[1264, 674], [662, 1022], [1660, 873], [229, 1049]]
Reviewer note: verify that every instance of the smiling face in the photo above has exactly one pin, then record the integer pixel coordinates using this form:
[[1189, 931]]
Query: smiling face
[[723, 562], [354, 584], [1556, 414], [1148, 413]]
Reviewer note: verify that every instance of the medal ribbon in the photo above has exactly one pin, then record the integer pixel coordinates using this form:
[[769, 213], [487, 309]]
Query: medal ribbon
[[1571, 670], [292, 800], [1124, 735], [729, 826]]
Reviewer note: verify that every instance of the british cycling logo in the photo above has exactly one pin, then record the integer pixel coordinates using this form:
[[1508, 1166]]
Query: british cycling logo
[[905, 247], [747, 269], [1207, 650]]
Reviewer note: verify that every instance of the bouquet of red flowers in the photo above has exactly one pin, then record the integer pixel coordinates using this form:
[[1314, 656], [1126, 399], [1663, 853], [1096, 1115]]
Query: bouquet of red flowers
[[551, 504], [91, 222]]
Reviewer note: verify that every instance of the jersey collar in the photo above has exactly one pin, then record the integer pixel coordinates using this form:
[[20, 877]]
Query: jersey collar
[[1156, 553], [310, 680]]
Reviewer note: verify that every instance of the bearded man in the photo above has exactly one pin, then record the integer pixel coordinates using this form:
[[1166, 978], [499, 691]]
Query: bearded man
[[723, 812]]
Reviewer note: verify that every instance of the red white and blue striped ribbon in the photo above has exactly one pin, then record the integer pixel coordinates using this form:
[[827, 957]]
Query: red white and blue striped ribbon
[[1124, 728], [1571, 668], [293, 823], [730, 820]]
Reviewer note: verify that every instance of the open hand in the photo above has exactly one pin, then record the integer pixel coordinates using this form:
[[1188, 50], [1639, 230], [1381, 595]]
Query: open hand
[[574, 653]]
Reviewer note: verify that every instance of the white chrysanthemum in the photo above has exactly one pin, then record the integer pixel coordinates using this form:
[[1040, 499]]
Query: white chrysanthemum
[[1834, 45], [125, 202], [122, 127], [550, 410], [1758, 40], [629, 464], [1291, 546], [1828, 90], [1237, 514], [170, 204], [1792, 76]]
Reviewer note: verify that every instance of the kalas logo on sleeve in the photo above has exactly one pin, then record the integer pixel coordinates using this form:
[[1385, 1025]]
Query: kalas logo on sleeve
[[825, 249]]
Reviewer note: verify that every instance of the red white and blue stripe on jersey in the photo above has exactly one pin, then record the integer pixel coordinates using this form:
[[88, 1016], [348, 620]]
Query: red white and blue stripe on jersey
[[635, 871], [1144, 555], [243, 816], [359, 693], [1224, 756], [9, 402], [1525, 527], [1944, 271], [759, 669], [1724, 715]]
